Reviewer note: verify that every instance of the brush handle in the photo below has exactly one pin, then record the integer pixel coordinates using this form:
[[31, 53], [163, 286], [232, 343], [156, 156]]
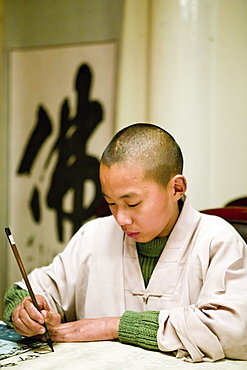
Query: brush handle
[[24, 275]]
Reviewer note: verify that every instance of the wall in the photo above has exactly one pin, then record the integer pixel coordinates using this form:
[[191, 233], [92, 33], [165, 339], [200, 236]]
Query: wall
[[31, 23], [229, 108]]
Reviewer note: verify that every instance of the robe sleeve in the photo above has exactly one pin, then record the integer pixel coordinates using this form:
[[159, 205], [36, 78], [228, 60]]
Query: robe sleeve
[[216, 325], [56, 282]]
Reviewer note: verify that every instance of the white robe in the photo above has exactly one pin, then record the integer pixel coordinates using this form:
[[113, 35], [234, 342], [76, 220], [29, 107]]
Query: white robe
[[199, 284]]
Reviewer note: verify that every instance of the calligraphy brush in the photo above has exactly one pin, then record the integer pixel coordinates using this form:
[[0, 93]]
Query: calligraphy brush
[[24, 275]]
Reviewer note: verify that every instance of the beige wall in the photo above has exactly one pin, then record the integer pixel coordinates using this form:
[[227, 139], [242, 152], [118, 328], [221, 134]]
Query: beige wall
[[229, 108]]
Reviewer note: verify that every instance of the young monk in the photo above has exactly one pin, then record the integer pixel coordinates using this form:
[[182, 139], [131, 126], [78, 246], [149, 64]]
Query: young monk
[[157, 273]]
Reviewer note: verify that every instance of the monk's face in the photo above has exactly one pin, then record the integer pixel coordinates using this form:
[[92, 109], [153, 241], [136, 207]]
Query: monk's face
[[143, 209]]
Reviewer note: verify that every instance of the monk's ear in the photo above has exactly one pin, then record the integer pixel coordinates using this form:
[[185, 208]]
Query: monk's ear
[[179, 186]]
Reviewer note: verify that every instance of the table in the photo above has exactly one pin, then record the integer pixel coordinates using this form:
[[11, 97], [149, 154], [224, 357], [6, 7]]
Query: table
[[107, 355]]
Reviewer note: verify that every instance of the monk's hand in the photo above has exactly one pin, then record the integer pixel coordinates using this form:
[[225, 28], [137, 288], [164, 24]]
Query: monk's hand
[[86, 330], [27, 320]]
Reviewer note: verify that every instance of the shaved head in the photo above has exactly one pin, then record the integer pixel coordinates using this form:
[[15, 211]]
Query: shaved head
[[148, 146]]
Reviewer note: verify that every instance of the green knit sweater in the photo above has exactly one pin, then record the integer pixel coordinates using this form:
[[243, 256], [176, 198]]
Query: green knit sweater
[[137, 328]]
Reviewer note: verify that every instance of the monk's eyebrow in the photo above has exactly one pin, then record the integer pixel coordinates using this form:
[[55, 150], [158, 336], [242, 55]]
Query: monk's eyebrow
[[128, 195]]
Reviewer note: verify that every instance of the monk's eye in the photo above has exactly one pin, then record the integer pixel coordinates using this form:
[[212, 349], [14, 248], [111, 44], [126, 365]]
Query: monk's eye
[[133, 205]]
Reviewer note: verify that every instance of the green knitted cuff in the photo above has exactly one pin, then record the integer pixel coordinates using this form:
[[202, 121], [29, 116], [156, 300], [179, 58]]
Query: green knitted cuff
[[12, 298], [139, 328]]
